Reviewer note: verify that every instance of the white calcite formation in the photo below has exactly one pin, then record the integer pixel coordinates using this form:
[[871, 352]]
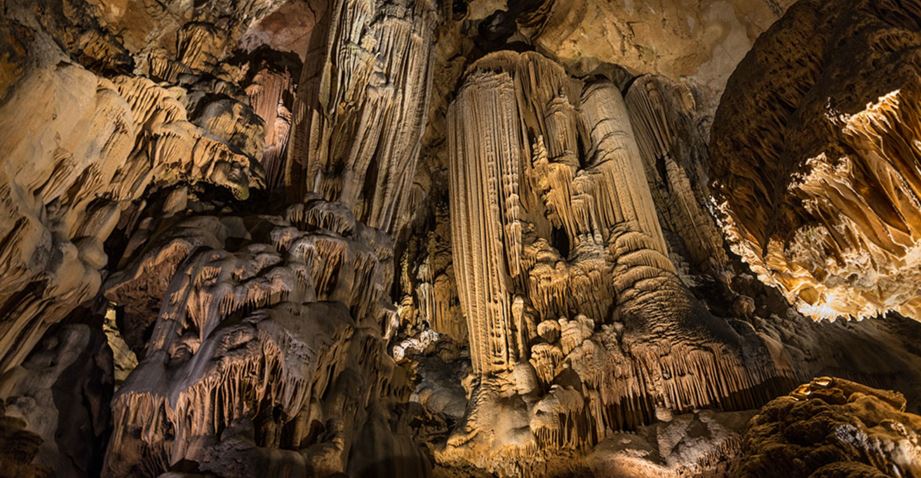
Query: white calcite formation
[[578, 322], [359, 119]]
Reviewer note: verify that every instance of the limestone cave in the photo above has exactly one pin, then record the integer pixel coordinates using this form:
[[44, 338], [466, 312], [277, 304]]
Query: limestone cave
[[460, 238]]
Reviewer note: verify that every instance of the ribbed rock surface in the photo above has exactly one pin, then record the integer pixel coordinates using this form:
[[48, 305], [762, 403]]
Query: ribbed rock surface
[[365, 97], [578, 322], [253, 349], [424, 237]]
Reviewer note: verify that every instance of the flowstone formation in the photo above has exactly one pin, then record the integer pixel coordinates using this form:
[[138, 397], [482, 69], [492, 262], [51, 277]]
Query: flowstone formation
[[578, 322], [423, 238], [89, 147], [817, 158], [365, 97]]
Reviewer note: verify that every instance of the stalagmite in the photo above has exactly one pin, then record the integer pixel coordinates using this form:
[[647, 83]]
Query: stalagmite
[[417, 238], [559, 226], [674, 158]]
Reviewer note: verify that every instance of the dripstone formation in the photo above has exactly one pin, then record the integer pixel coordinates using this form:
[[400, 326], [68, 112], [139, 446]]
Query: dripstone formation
[[428, 238], [823, 200]]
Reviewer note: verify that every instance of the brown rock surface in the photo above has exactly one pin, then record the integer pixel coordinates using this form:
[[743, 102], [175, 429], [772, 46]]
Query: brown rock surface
[[697, 41], [432, 237], [832, 427], [815, 153]]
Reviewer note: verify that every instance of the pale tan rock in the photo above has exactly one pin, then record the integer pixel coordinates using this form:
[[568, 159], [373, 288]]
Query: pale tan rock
[[547, 222], [259, 337], [700, 42]]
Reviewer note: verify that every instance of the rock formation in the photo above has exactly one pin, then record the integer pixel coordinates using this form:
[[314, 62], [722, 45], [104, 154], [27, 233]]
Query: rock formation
[[358, 124], [61, 205], [258, 336], [563, 271], [820, 187], [832, 427], [459, 238]]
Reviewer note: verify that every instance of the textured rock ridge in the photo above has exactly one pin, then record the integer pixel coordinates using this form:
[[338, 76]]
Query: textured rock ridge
[[423, 238], [253, 349], [832, 427]]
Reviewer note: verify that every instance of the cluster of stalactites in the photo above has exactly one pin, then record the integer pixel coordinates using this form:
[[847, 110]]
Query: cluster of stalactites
[[264, 328], [360, 117], [815, 155], [64, 189], [859, 256], [674, 155]]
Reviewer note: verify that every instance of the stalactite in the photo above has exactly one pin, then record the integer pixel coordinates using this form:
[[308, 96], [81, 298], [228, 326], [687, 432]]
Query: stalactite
[[816, 167], [675, 156], [268, 327], [266, 95], [357, 130]]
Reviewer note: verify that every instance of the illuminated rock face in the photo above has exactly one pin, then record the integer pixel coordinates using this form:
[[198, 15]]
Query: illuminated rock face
[[106, 142], [577, 321], [816, 158], [219, 257], [699, 42], [252, 350]]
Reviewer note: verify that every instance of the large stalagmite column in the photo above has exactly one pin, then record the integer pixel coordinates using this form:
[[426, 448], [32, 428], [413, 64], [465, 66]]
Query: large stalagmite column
[[578, 321], [605, 118], [357, 128], [485, 157]]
